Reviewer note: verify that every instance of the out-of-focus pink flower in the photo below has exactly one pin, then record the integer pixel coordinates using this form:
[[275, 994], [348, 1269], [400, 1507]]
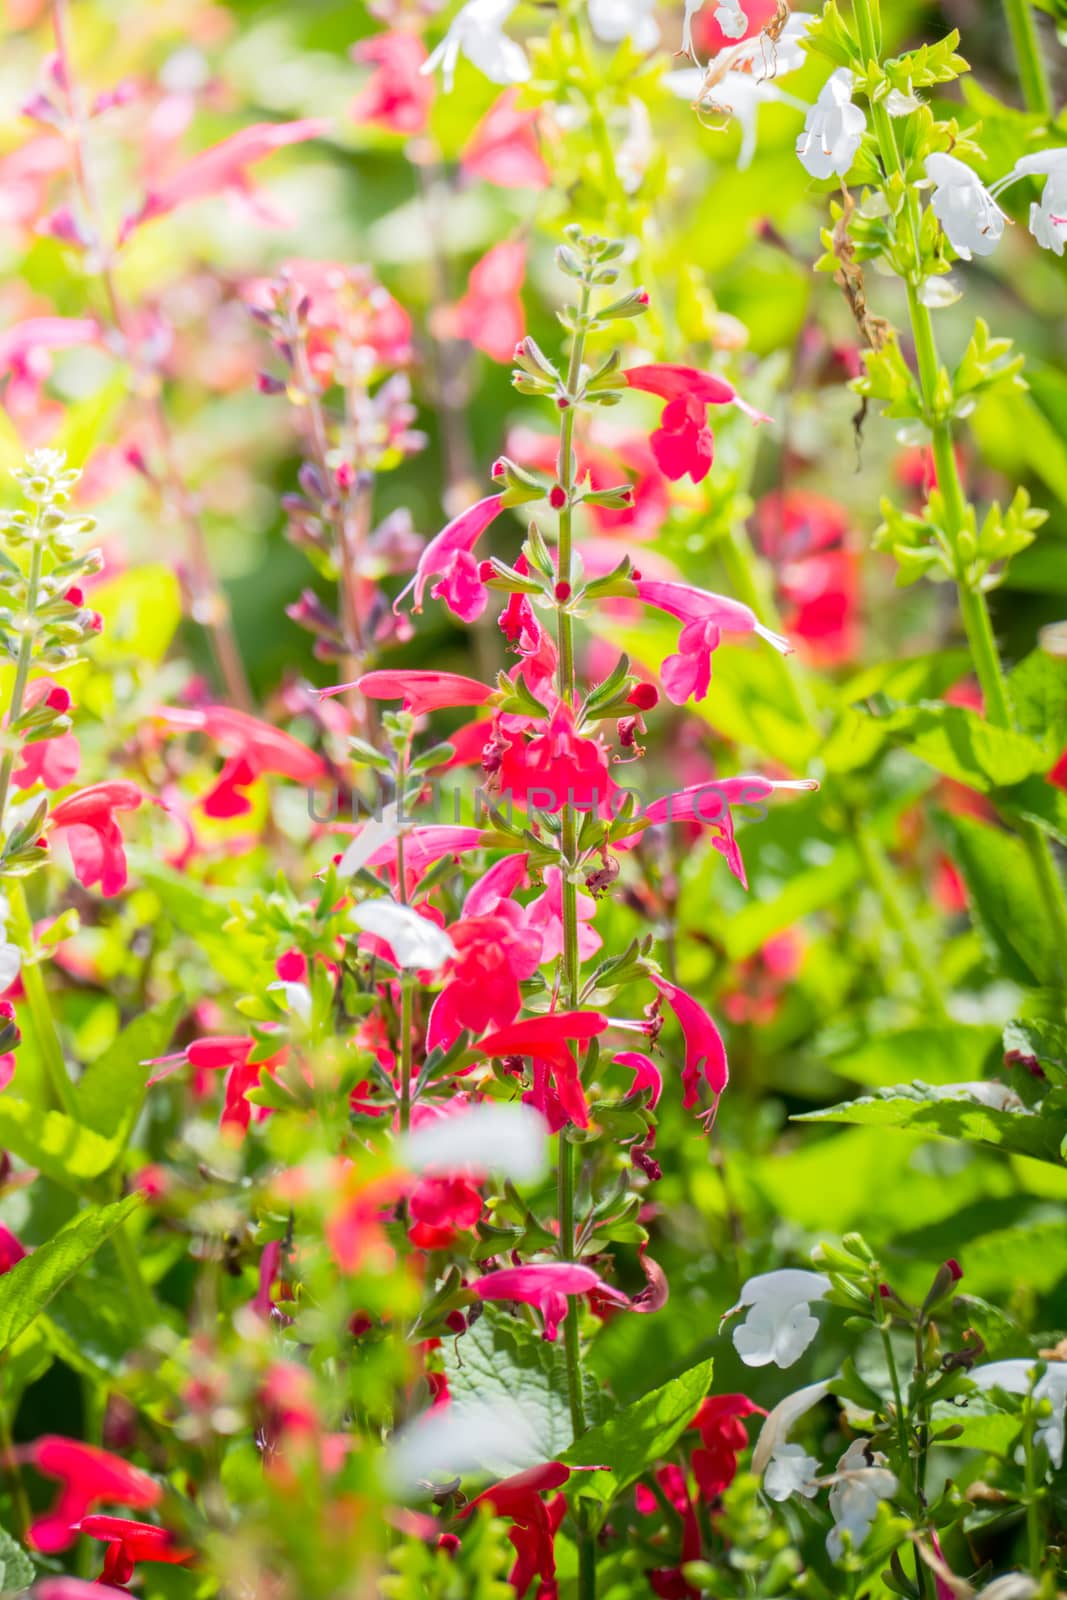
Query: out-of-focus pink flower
[[89, 1477], [53, 762], [448, 557], [805, 535], [222, 169], [606, 457], [669, 1583], [706, 617], [21, 345], [442, 1205], [12, 1250], [129, 1542], [557, 767], [354, 1230], [491, 314], [683, 443], [420, 691], [231, 1054], [710, 804], [705, 1053], [546, 914], [256, 747], [503, 148], [534, 1524], [86, 821], [398, 96], [347, 313], [757, 984], [546, 1287]]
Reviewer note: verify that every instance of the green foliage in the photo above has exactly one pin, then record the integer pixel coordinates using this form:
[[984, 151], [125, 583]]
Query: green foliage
[[16, 1569], [29, 1286]]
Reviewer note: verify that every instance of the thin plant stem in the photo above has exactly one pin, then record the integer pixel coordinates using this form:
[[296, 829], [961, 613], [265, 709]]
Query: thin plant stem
[[20, 1504], [1034, 1542], [974, 609], [210, 607], [1033, 75]]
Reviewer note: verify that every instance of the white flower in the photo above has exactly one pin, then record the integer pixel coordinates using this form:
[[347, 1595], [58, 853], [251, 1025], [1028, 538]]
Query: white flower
[[779, 1422], [297, 998], [860, 1482], [899, 104], [779, 1326], [615, 20], [1048, 216], [965, 208], [731, 19], [939, 292], [633, 155], [375, 832], [415, 940], [790, 1471], [10, 964], [737, 94], [477, 31], [1017, 1378], [833, 130], [508, 1139]]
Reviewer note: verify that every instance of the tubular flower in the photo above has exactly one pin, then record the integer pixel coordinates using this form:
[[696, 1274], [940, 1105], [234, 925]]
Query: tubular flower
[[965, 208], [495, 952], [683, 442], [710, 803], [420, 692], [723, 1438], [129, 1542], [86, 821], [12, 1250], [398, 96], [833, 130], [449, 558], [232, 1054], [223, 169], [534, 1524], [491, 314], [545, 1286], [503, 148], [52, 762], [256, 748], [705, 1053], [89, 1477], [545, 1041], [706, 617], [557, 767], [477, 31]]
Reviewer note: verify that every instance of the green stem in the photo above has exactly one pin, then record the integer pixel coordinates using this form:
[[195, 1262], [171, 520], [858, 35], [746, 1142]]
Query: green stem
[[406, 1000], [1033, 76], [20, 1505], [974, 610], [46, 1035], [25, 659], [921, 1571], [1034, 1543]]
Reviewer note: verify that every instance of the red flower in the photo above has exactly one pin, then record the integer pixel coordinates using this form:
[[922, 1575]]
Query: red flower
[[546, 1286], [231, 1054], [709, 803], [89, 1477], [557, 767], [723, 1438], [705, 1053], [490, 314], [503, 148], [818, 575], [494, 954], [420, 691], [442, 1205], [129, 1542], [544, 1041], [706, 617], [534, 1524], [449, 557], [683, 443], [256, 747], [398, 96], [87, 822], [53, 762]]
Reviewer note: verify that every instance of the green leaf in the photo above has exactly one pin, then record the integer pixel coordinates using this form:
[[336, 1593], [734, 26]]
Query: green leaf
[[111, 1092], [1003, 896], [960, 744], [919, 1108], [32, 1282], [64, 1150], [628, 1443], [501, 1361], [1039, 1041], [17, 1571], [1037, 688]]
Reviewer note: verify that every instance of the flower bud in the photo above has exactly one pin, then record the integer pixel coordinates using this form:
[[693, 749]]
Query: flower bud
[[945, 1280], [644, 696]]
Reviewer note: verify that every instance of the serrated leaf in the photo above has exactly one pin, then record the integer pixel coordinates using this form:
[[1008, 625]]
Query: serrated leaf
[[919, 1108], [111, 1091], [627, 1444], [32, 1282], [500, 1360]]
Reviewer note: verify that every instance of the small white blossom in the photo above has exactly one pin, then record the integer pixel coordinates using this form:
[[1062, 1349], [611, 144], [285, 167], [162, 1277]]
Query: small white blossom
[[779, 1326], [791, 1471], [1017, 1377], [414, 940], [939, 292], [507, 1139], [374, 833], [965, 208], [615, 20], [833, 129], [780, 1421], [477, 32], [899, 104], [861, 1481], [737, 94], [1048, 216], [731, 19]]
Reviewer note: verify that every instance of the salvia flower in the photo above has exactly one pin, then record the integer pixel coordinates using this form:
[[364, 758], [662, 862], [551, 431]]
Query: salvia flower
[[683, 443], [612, 21], [503, 149], [711, 805], [779, 1326], [490, 315], [420, 691], [448, 558], [86, 822], [706, 617], [534, 1523], [52, 762], [477, 32], [1019, 1376], [965, 208], [862, 1480], [398, 96], [705, 1053], [546, 1286], [89, 1477], [255, 748], [833, 130], [129, 1542]]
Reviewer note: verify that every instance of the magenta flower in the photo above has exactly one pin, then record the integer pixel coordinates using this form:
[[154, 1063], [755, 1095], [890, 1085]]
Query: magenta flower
[[646, 1074], [503, 148], [256, 748], [448, 557], [19, 344], [86, 821], [710, 803], [495, 952], [420, 691], [129, 1542], [557, 1086], [706, 618], [12, 1250], [534, 1524], [546, 1287], [51, 762], [223, 168], [491, 314], [546, 914], [398, 96], [89, 1477], [683, 442], [557, 767], [705, 1053]]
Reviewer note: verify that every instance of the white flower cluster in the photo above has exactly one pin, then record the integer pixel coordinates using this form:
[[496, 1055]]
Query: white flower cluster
[[969, 213]]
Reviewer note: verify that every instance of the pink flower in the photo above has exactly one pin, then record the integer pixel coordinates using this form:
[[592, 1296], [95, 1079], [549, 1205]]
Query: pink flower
[[87, 822], [706, 618], [441, 1205], [546, 1287], [495, 952], [490, 314], [546, 914], [503, 148], [233, 1055], [20, 344], [646, 1074], [52, 762], [448, 557], [89, 1477], [12, 1250], [557, 1086], [257, 748], [709, 803], [556, 768], [129, 1542], [223, 168], [398, 97], [805, 535], [705, 1053], [534, 1524], [348, 314], [420, 691], [683, 442]]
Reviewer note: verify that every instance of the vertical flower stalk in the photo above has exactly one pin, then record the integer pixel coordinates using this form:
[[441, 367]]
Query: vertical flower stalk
[[1033, 74]]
